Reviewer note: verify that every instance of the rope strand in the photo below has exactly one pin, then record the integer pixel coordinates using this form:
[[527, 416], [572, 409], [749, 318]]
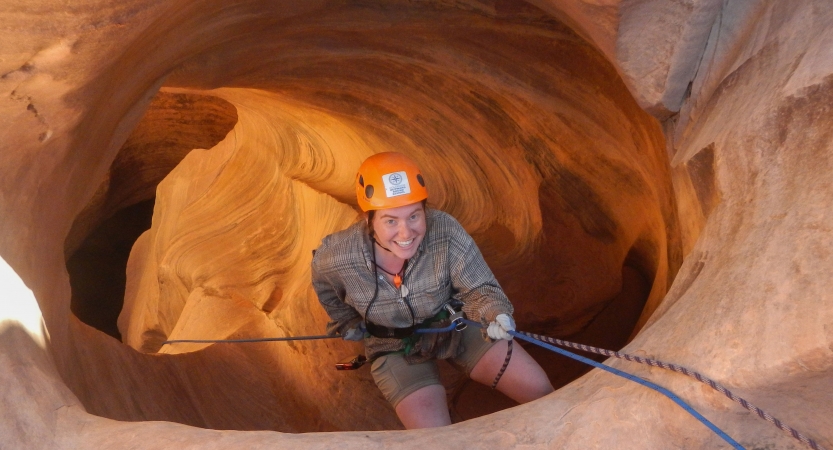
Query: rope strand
[[240, 341], [505, 364], [688, 372]]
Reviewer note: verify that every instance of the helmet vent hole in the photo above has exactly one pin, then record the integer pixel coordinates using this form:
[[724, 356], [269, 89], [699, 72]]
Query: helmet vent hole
[[361, 181], [421, 181], [368, 191]]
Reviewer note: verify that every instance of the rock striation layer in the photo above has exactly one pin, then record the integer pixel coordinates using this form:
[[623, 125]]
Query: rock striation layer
[[653, 173]]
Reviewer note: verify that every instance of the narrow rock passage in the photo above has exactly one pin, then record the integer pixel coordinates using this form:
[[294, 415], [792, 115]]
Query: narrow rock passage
[[694, 234]]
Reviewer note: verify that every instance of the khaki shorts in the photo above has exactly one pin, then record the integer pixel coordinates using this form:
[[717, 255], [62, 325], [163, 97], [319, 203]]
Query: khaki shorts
[[397, 379]]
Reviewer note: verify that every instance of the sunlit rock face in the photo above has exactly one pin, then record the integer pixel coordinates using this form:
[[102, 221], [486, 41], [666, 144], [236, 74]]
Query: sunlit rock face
[[584, 204], [103, 234]]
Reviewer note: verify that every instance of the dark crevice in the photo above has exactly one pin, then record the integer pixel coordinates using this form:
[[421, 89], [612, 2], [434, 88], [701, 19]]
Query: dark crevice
[[97, 249], [97, 268]]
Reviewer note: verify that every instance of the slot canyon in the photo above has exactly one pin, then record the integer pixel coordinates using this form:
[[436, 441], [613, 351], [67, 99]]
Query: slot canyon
[[650, 176]]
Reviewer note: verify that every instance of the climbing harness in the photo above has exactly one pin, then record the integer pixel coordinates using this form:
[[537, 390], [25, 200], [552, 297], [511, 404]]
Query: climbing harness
[[456, 316], [546, 342]]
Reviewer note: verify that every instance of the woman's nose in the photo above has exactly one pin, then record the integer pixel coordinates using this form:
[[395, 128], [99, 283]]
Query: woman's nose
[[404, 230]]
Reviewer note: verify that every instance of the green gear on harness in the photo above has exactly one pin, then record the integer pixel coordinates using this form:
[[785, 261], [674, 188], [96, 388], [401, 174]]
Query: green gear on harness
[[411, 340]]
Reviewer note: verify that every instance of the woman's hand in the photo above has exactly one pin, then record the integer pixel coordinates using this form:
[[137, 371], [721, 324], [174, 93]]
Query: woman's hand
[[500, 327], [354, 334]]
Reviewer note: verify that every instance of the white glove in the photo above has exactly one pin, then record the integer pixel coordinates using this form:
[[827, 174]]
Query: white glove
[[500, 328], [354, 334]]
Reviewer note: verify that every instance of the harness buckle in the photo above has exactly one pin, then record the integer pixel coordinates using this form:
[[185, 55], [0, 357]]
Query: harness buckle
[[456, 317]]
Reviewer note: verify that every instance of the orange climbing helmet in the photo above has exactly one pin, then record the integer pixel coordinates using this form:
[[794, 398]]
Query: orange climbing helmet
[[389, 180]]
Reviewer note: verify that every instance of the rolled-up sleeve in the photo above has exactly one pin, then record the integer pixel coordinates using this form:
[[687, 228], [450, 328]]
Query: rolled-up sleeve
[[476, 286]]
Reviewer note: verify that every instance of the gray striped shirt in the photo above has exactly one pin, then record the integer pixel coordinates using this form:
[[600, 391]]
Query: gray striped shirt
[[447, 265]]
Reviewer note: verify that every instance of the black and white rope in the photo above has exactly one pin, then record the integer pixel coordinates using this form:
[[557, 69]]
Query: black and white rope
[[505, 364], [685, 371]]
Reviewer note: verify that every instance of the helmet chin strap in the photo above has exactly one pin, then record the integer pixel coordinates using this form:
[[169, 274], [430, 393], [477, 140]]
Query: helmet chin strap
[[373, 238]]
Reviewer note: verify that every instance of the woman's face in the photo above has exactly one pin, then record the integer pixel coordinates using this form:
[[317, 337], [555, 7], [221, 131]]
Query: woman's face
[[400, 229]]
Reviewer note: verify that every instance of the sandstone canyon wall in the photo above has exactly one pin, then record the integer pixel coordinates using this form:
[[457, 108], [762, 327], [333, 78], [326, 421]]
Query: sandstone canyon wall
[[654, 174]]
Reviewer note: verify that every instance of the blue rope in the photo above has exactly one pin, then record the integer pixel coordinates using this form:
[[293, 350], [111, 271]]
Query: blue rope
[[633, 378], [450, 327]]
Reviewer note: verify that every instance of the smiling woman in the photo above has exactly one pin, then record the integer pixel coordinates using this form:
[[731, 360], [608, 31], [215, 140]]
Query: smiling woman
[[434, 269]]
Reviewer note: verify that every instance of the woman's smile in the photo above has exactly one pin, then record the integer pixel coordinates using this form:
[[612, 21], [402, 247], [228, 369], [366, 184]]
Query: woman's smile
[[400, 230]]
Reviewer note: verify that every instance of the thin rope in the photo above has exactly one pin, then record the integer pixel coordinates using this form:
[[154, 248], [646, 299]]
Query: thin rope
[[505, 364], [393, 273], [240, 341], [295, 338], [685, 371]]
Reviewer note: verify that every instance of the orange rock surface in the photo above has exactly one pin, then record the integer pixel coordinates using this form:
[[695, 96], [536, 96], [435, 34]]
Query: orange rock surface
[[649, 175]]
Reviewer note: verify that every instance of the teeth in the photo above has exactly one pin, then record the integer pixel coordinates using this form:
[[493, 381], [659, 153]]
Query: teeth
[[404, 243]]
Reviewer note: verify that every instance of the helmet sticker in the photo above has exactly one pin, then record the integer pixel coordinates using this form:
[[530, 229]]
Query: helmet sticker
[[396, 183]]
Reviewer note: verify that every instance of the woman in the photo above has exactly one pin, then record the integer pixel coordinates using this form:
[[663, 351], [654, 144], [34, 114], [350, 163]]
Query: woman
[[407, 267]]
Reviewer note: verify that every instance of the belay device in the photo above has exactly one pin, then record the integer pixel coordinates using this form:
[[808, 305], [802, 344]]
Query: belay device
[[352, 364]]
